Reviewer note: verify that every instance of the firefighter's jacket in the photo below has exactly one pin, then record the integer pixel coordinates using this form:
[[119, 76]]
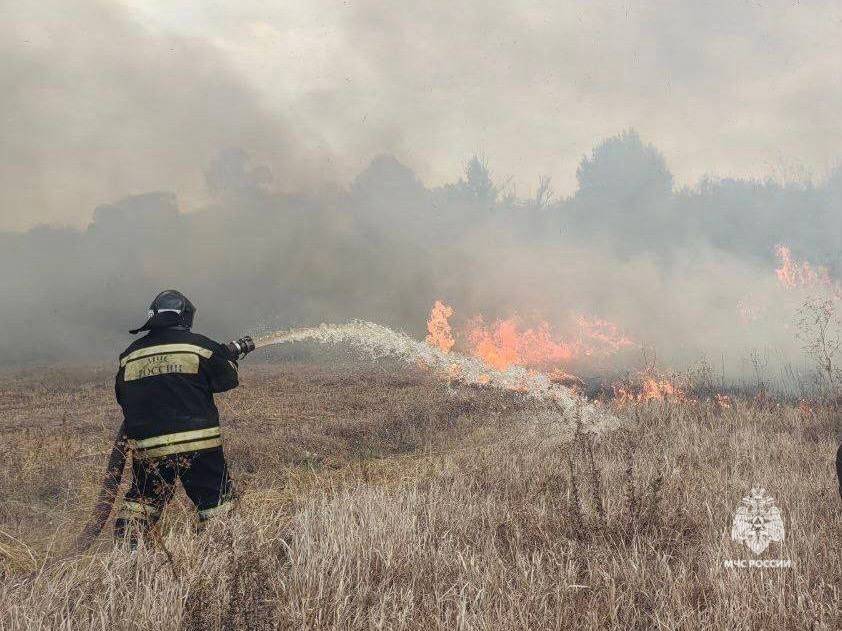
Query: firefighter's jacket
[[165, 385]]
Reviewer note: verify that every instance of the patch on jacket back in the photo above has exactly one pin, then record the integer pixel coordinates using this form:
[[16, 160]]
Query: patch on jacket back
[[162, 364], [165, 349]]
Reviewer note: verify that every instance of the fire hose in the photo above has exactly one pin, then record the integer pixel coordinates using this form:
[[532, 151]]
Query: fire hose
[[117, 463]]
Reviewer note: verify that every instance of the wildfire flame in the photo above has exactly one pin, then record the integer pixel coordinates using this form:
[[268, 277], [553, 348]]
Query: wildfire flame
[[661, 389], [652, 388], [566, 379], [505, 344], [510, 342], [793, 273]]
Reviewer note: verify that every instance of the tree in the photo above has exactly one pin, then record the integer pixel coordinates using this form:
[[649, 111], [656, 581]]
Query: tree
[[623, 169], [476, 185], [625, 197]]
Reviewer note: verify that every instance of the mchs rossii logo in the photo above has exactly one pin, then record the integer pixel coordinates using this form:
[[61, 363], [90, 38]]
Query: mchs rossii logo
[[757, 523]]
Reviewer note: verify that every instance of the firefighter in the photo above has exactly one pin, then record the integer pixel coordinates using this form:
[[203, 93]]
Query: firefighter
[[165, 385]]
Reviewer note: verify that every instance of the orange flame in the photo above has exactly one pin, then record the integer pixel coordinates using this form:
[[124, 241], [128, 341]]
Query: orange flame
[[504, 344], [566, 379], [655, 389], [793, 273], [509, 342], [651, 389], [441, 335]]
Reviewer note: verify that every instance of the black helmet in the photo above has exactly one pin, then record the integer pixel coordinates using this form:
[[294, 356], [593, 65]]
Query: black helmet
[[170, 308]]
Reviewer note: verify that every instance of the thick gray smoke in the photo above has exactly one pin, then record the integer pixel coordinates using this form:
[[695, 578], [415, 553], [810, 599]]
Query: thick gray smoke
[[688, 273], [292, 231]]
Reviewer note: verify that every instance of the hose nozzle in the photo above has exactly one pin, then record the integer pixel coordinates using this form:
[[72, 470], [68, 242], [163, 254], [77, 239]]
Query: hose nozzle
[[242, 347]]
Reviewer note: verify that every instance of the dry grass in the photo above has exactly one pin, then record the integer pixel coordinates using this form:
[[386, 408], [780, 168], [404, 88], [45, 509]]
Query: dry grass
[[386, 500]]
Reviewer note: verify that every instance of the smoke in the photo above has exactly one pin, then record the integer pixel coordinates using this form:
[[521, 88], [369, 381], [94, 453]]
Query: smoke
[[282, 218], [106, 99], [683, 272], [96, 107]]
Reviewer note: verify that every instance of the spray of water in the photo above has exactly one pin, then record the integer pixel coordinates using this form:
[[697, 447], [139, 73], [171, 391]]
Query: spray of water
[[377, 342]]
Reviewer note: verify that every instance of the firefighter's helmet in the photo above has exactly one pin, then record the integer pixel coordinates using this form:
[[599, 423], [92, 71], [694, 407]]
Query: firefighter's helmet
[[170, 308]]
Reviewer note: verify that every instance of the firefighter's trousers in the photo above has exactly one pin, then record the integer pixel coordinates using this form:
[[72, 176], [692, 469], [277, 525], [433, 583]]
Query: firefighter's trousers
[[204, 475]]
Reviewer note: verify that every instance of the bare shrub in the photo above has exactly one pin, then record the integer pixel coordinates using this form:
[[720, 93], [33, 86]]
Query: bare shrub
[[820, 331]]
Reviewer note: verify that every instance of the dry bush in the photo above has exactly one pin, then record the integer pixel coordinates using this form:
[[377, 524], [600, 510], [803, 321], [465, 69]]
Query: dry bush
[[390, 501]]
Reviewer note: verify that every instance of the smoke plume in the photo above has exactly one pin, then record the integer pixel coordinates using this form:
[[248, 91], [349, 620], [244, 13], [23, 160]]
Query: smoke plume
[[174, 169]]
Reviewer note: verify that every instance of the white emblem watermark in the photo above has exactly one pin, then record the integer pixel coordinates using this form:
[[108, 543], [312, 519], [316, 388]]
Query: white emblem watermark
[[757, 523]]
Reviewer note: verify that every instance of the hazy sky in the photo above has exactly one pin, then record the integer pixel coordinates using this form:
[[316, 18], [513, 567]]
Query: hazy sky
[[105, 99]]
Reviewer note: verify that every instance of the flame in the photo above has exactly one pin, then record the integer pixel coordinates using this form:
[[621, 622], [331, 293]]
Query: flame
[[505, 344], [509, 342], [661, 389], [787, 272], [441, 335], [652, 388], [792, 273], [566, 379]]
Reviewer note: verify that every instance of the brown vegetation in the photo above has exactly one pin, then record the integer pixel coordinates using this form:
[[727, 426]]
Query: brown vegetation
[[384, 499]]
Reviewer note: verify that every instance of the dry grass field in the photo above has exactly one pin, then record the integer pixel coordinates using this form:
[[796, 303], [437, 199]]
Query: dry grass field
[[386, 499]]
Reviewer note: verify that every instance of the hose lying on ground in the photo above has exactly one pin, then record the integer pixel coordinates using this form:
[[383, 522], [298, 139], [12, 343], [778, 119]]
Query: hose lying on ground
[[107, 493]]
